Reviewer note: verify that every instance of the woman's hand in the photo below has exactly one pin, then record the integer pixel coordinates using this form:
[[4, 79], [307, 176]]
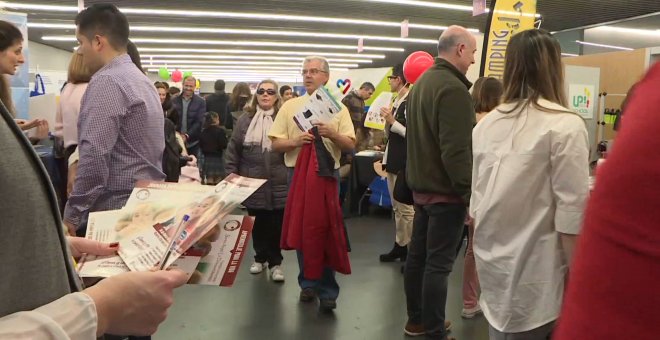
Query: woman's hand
[[27, 124], [81, 245]]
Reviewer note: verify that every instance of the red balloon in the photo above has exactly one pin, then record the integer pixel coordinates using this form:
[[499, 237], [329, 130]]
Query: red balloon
[[177, 76], [416, 64]]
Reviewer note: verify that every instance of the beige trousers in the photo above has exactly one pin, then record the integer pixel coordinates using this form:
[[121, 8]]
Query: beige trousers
[[403, 215]]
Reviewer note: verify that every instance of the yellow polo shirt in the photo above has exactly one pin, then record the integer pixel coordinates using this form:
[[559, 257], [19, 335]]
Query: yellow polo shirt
[[285, 128]]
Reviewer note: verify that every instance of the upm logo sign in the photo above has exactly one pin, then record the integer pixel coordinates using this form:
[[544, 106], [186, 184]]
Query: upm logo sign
[[581, 99]]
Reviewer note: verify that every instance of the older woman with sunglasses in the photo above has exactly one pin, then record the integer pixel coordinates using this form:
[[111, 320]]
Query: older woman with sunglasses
[[250, 154]]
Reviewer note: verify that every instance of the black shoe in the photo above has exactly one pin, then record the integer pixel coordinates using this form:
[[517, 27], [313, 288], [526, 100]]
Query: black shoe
[[307, 295], [397, 252], [327, 305]]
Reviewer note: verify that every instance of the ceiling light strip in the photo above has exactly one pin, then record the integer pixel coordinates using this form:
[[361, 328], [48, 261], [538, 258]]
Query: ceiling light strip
[[639, 31], [238, 62], [237, 43], [441, 5], [223, 14], [238, 31], [605, 46], [246, 57], [261, 52]]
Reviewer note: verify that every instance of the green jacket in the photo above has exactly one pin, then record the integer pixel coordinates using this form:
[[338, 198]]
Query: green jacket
[[439, 132]]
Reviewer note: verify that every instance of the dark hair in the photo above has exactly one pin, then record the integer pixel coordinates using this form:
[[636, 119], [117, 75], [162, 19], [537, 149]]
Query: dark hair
[[284, 88], [238, 99], [171, 113], [219, 85], [209, 117], [105, 20], [486, 93], [9, 36], [173, 90], [367, 86], [168, 96], [132, 51], [533, 70], [397, 71]]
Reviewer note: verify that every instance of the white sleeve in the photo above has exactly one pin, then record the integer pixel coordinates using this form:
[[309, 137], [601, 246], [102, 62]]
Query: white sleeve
[[70, 317], [399, 129], [570, 176]]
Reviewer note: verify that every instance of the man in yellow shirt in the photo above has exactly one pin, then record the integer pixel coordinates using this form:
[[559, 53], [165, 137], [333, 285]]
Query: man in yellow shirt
[[337, 135]]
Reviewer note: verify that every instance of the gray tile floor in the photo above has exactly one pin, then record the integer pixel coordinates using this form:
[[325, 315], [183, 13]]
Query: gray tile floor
[[371, 304]]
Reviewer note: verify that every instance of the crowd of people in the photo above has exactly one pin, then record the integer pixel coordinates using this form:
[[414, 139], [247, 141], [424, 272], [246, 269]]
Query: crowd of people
[[505, 165]]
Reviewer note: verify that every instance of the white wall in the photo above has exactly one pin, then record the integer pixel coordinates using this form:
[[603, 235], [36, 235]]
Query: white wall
[[473, 72], [51, 63]]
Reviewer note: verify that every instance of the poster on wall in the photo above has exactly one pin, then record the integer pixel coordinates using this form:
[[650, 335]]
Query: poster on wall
[[343, 82], [19, 82], [581, 99]]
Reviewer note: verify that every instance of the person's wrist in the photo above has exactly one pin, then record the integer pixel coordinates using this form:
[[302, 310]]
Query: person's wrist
[[103, 309]]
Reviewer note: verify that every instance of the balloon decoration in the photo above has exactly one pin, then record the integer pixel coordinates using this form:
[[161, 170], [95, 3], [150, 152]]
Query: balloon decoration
[[163, 73], [416, 64], [187, 74], [197, 83], [177, 76]]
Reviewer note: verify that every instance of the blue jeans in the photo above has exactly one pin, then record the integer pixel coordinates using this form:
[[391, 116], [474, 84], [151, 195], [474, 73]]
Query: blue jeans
[[327, 287]]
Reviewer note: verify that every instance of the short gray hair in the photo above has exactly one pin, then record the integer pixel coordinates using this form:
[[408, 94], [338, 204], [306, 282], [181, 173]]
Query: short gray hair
[[324, 62], [447, 42]]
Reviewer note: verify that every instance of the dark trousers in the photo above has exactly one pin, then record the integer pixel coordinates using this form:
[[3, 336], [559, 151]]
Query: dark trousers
[[266, 235], [437, 229]]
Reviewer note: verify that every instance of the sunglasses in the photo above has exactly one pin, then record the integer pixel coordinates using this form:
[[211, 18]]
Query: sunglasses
[[270, 92], [392, 77]]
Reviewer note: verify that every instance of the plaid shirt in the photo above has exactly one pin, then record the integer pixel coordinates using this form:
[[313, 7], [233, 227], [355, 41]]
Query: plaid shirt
[[121, 139]]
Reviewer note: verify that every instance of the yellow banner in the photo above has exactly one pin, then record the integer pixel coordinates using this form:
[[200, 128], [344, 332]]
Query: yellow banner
[[508, 18]]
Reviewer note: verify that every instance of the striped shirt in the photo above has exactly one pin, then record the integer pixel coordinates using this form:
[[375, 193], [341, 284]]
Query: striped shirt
[[121, 139]]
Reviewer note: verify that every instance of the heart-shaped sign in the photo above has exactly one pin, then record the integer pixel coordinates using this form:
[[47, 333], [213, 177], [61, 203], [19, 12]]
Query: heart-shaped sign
[[344, 85]]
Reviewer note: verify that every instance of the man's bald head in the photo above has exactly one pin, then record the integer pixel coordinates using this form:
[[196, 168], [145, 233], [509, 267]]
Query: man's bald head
[[457, 45]]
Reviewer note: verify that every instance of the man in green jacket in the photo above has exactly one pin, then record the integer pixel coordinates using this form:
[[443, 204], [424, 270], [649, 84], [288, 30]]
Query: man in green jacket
[[439, 170]]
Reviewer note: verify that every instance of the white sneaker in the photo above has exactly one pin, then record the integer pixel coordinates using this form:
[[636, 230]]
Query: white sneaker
[[469, 313], [277, 274], [257, 268]]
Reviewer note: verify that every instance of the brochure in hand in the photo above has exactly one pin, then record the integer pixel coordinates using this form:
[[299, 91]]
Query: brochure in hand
[[373, 119], [147, 225], [321, 107]]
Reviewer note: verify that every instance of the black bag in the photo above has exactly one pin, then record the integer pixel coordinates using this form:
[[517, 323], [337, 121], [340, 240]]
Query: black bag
[[402, 192]]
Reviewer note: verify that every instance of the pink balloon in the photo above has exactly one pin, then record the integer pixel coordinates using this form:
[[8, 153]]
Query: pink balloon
[[416, 64], [177, 76]]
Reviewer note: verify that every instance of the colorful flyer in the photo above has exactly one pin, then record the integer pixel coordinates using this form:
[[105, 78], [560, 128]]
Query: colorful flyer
[[157, 211], [373, 119]]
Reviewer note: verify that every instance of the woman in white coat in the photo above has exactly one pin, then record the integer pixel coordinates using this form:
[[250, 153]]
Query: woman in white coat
[[529, 187]]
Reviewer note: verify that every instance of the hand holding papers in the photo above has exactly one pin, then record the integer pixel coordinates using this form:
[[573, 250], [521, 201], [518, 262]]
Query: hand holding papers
[[374, 120], [322, 107], [169, 224]]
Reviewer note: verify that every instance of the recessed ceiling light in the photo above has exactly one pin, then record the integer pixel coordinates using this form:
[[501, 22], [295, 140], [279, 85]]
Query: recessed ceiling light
[[239, 31], [237, 43], [231, 15], [605, 46]]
